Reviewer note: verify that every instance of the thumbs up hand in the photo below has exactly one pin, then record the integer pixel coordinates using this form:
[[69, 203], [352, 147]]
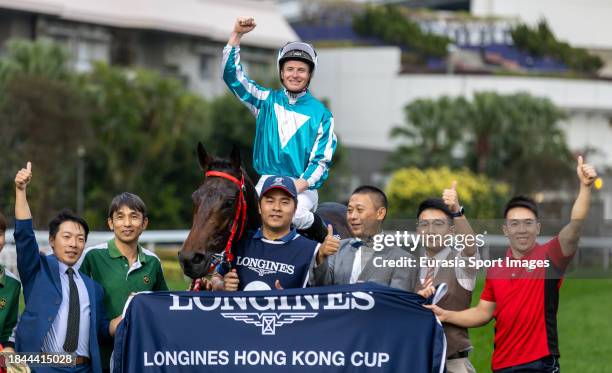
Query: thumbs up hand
[[329, 246], [451, 198], [586, 172], [23, 177], [277, 285]]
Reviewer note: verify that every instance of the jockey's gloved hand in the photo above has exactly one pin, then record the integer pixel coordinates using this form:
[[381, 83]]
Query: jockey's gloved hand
[[317, 231]]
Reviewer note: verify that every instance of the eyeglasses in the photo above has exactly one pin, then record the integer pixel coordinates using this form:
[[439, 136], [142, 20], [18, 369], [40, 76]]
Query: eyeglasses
[[517, 223], [435, 223]]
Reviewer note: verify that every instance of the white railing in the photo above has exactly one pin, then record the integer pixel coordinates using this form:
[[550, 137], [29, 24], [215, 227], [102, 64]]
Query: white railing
[[149, 239], [152, 239]]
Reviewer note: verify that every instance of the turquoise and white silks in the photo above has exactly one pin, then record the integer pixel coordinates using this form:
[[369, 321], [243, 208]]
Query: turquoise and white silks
[[294, 135]]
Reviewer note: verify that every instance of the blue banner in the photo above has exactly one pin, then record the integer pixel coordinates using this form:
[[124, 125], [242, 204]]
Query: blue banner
[[352, 328]]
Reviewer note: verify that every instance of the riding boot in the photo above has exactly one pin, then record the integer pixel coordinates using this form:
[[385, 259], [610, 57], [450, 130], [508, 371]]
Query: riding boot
[[317, 231]]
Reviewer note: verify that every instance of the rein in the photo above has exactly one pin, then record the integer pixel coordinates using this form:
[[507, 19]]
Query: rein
[[239, 217]]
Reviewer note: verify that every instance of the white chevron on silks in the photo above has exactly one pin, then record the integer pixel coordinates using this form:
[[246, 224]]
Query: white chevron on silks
[[289, 122]]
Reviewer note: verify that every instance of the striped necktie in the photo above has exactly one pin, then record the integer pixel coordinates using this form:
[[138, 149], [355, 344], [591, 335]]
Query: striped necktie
[[430, 273]]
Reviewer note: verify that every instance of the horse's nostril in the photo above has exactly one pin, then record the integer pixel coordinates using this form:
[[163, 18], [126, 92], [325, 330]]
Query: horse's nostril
[[197, 258]]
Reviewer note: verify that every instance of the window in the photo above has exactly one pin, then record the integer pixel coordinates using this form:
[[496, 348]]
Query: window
[[206, 66], [88, 51], [86, 43]]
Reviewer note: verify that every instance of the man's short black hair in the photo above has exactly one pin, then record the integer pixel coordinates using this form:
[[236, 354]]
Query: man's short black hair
[[63, 216], [3, 223], [434, 203], [127, 199], [378, 196], [522, 201]]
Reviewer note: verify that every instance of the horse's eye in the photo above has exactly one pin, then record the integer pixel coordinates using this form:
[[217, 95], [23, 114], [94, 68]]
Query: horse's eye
[[227, 203]]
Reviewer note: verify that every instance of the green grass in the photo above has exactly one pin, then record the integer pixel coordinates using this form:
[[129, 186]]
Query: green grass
[[584, 325], [178, 284], [174, 275], [482, 338]]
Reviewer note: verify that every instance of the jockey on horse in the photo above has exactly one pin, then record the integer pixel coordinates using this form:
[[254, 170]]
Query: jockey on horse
[[294, 131], [225, 210]]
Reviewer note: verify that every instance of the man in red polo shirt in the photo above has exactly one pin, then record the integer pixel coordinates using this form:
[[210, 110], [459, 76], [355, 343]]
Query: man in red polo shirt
[[522, 293]]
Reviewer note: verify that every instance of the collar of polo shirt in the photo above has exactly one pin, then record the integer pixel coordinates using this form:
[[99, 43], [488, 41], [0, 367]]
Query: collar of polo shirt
[[114, 252]]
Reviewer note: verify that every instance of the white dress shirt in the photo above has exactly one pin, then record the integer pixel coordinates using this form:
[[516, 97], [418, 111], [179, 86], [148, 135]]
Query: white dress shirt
[[466, 276], [54, 340]]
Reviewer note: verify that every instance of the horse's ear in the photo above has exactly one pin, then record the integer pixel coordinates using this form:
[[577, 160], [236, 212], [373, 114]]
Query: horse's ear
[[235, 157], [203, 156]]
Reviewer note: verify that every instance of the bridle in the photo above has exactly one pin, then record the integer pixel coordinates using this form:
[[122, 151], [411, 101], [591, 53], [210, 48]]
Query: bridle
[[235, 234]]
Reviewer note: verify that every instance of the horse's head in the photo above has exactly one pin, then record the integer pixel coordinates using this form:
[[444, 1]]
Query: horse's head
[[214, 207]]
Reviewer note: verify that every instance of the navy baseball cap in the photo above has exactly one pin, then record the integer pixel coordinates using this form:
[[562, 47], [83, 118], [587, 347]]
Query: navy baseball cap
[[283, 183]]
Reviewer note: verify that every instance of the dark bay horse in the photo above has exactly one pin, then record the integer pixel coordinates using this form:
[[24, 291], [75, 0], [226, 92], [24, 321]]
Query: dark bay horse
[[217, 212], [215, 203]]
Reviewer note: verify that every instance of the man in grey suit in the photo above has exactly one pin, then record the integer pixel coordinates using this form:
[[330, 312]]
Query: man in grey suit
[[355, 259]]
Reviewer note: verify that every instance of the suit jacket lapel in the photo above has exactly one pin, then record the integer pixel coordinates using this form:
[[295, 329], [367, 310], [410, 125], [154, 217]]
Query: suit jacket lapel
[[93, 324], [91, 292], [54, 269], [347, 262], [369, 268]]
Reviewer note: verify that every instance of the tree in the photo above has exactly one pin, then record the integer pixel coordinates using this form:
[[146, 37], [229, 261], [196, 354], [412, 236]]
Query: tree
[[517, 138], [481, 196], [43, 119], [139, 131], [514, 138], [40, 58], [146, 128], [432, 129], [393, 26], [541, 41]]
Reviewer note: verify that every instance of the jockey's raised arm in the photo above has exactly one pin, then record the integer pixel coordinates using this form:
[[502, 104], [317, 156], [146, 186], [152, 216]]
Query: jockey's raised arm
[[294, 131]]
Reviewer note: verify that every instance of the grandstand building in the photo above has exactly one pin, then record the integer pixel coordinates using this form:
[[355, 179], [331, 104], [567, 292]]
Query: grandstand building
[[364, 72], [183, 39]]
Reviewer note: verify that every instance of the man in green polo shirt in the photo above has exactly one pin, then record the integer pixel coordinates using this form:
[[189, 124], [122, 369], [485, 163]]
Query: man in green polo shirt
[[121, 265], [10, 287]]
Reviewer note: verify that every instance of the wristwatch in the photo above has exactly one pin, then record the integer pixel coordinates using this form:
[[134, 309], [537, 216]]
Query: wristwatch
[[458, 213]]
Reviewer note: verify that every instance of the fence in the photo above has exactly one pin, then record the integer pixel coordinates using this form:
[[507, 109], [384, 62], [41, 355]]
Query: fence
[[594, 251]]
